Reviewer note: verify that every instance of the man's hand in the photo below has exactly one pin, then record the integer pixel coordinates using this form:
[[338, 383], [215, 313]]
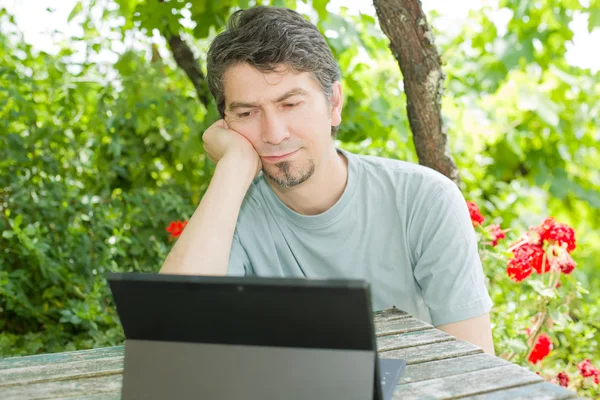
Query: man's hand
[[476, 330], [204, 246], [220, 142]]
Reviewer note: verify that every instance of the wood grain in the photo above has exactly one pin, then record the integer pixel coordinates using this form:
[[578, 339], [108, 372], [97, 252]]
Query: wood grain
[[439, 367], [390, 313], [470, 383], [537, 391], [412, 339], [398, 326], [450, 367], [48, 372], [433, 352], [54, 358], [110, 384]]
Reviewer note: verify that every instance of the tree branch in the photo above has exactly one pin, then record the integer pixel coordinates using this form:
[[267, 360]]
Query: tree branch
[[412, 44], [184, 57], [185, 60]]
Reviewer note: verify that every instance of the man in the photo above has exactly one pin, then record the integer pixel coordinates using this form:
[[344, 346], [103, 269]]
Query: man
[[284, 201]]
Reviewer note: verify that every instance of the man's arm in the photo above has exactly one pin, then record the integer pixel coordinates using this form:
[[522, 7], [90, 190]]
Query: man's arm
[[477, 331], [448, 268], [205, 244]]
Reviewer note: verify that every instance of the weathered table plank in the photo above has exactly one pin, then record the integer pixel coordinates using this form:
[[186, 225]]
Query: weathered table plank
[[439, 367], [536, 391], [434, 351], [16, 362], [109, 384], [398, 326], [61, 371], [450, 367], [470, 383], [390, 313], [411, 339], [101, 396]]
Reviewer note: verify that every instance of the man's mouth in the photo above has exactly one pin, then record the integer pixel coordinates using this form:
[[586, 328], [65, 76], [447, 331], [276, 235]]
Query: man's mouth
[[278, 157]]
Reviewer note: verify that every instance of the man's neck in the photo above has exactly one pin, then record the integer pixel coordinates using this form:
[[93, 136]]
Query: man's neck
[[321, 191]]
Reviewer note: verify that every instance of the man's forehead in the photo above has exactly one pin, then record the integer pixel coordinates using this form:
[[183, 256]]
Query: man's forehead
[[245, 83]]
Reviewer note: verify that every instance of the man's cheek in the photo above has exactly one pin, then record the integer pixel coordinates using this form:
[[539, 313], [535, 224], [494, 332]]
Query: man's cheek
[[249, 131]]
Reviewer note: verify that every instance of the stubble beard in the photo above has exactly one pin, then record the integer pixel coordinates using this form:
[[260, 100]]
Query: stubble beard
[[285, 176]]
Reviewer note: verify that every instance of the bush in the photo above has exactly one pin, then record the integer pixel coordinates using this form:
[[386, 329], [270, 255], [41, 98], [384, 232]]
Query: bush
[[537, 320]]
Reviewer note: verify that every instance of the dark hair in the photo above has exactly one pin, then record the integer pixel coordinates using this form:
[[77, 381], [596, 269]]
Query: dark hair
[[264, 37]]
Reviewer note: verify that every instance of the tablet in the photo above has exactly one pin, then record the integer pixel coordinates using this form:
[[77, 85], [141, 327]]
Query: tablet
[[246, 337]]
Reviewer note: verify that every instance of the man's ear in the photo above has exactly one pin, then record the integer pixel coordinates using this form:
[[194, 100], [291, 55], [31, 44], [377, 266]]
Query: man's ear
[[337, 102]]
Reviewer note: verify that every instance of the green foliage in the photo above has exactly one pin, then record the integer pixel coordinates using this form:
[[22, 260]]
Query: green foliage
[[90, 178], [95, 163]]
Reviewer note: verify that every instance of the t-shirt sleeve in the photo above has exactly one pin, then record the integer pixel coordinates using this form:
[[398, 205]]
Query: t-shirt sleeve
[[239, 263], [447, 266]]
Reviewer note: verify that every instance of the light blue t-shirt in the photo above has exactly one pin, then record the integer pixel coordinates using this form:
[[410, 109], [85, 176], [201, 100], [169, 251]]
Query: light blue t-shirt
[[403, 227]]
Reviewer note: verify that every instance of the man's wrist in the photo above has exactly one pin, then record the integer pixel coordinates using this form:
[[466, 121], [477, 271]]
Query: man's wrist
[[239, 165]]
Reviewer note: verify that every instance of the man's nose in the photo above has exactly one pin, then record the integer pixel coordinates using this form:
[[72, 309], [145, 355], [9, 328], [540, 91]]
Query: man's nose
[[274, 129]]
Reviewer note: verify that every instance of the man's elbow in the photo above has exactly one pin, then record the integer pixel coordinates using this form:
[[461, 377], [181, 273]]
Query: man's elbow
[[477, 331]]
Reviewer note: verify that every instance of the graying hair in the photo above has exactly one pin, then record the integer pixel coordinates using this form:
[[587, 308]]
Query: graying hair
[[265, 37]]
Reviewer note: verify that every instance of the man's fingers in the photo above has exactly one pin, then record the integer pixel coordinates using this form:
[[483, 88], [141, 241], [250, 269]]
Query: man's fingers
[[221, 124]]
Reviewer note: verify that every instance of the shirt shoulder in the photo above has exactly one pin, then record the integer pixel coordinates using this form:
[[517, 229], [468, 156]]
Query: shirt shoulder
[[414, 180]]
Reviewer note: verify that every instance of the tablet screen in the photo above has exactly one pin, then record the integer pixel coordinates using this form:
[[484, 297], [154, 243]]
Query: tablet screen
[[330, 314]]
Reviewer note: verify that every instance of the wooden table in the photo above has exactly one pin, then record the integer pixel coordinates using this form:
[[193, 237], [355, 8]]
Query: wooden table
[[439, 366]]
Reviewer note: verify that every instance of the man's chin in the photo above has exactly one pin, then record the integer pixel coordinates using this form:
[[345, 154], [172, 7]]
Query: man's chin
[[285, 174]]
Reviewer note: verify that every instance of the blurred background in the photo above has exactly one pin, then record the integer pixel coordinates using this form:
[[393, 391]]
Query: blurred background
[[100, 143]]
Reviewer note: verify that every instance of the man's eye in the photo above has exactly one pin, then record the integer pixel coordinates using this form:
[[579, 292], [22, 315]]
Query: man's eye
[[290, 105], [244, 115]]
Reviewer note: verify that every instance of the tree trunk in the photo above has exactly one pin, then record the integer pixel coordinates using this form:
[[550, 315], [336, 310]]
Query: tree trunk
[[412, 44], [187, 62], [184, 57]]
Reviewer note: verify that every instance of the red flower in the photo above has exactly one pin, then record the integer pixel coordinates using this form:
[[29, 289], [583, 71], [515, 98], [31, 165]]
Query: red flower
[[560, 259], [568, 266], [175, 228], [525, 258], [586, 369], [556, 232], [563, 379], [475, 213], [517, 271], [497, 233], [541, 349]]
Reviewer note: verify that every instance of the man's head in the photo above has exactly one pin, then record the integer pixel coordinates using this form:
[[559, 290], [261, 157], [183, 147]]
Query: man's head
[[275, 82]]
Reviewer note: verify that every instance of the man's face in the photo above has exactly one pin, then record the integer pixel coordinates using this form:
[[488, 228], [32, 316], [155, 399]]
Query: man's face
[[285, 116]]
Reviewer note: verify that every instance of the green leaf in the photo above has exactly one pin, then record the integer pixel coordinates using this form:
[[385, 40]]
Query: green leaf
[[29, 230], [320, 7], [522, 9], [18, 220], [537, 101], [8, 234], [594, 15], [516, 345], [560, 183], [541, 289], [559, 318], [75, 11], [565, 77]]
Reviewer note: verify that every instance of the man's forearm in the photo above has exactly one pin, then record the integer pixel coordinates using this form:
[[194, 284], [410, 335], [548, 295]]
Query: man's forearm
[[476, 330], [204, 246]]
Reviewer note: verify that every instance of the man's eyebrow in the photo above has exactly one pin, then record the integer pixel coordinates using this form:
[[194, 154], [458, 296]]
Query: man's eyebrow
[[291, 93], [241, 104]]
